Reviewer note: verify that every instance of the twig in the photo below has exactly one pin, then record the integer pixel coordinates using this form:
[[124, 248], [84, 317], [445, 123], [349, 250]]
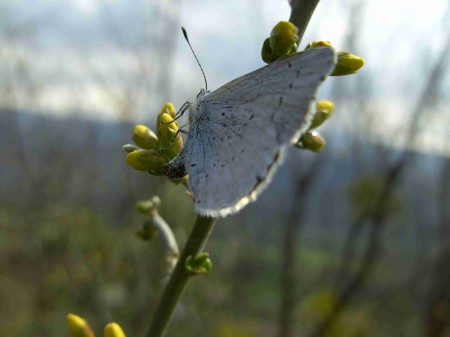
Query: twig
[[178, 280], [302, 11]]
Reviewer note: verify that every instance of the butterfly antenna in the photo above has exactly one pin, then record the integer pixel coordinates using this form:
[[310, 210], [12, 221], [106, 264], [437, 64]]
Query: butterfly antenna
[[187, 40]]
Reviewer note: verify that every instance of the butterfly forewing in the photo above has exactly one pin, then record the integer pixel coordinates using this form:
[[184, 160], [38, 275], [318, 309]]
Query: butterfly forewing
[[237, 137]]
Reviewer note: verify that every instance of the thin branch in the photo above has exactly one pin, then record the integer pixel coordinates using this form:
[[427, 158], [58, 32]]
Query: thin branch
[[302, 11], [180, 276]]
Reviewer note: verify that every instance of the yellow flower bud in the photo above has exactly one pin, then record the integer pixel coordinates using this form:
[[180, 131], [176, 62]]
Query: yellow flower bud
[[347, 64], [169, 109], [145, 138], [170, 139], [147, 160], [113, 330], [78, 327], [324, 110], [282, 42], [311, 140], [319, 43], [283, 38]]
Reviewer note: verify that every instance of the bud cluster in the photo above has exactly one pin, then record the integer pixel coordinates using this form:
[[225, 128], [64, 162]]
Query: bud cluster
[[153, 151], [284, 41]]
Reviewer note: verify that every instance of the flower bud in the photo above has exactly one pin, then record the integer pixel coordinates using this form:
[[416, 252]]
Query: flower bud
[[311, 140], [148, 230], [282, 42], [130, 148], [284, 38], [147, 206], [170, 139], [78, 327], [267, 53], [169, 109], [319, 43], [145, 138], [113, 330], [147, 160], [324, 110], [199, 265], [347, 64]]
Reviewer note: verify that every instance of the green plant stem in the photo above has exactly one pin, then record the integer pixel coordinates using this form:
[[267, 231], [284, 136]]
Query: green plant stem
[[302, 11], [170, 243], [178, 280]]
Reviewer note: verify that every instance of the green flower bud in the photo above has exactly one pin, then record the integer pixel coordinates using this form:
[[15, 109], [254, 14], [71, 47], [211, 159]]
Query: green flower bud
[[148, 230], [199, 265], [130, 148], [147, 206], [283, 38], [347, 64], [78, 327], [319, 43], [170, 139], [324, 110], [145, 138], [147, 160], [267, 53], [113, 330], [311, 140]]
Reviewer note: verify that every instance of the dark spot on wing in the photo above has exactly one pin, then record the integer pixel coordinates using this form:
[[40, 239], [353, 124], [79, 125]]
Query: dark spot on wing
[[290, 86], [251, 117], [233, 158], [223, 165], [223, 113], [280, 101], [298, 73], [199, 201], [277, 156], [242, 151], [193, 165], [289, 64]]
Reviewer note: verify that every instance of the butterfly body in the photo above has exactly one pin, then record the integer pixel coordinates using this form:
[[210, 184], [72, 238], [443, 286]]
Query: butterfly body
[[238, 133]]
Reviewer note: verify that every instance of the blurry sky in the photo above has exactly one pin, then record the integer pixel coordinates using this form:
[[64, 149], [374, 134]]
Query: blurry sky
[[121, 59]]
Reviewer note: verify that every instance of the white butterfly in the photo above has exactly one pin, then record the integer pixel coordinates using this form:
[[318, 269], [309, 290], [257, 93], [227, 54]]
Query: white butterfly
[[237, 133]]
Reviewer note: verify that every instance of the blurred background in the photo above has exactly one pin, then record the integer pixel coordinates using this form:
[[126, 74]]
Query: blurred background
[[354, 241]]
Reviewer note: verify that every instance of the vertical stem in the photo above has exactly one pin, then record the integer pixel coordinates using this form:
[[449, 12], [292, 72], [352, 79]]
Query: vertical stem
[[302, 11], [178, 280]]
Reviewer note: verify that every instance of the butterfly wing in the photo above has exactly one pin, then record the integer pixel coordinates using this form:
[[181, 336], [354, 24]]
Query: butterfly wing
[[238, 135]]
